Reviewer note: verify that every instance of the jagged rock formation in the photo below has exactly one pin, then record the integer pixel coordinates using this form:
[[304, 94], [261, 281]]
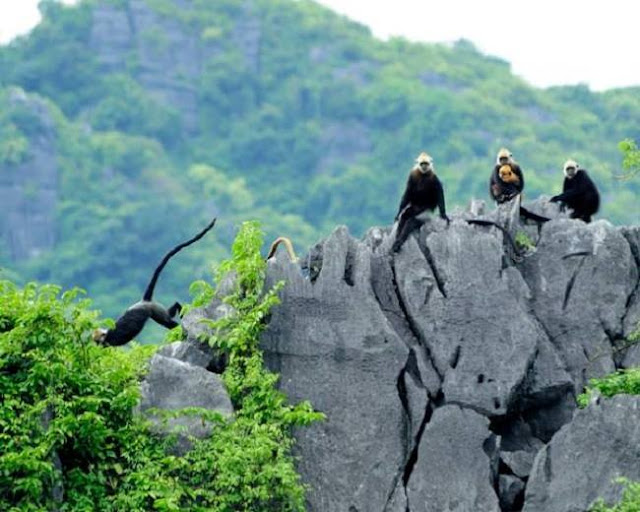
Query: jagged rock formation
[[447, 371], [601, 444], [175, 372]]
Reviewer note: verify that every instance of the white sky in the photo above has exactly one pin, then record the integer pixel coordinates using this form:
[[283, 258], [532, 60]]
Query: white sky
[[547, 42]]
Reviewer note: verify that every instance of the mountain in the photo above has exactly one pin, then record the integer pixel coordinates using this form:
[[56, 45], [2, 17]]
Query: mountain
[[126, 124]]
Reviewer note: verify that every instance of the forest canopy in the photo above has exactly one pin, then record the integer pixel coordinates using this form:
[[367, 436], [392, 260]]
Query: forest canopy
[[157, 115]]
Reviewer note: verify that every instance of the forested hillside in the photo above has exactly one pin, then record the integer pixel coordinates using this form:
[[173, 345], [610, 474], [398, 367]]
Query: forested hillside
[[126, 124]]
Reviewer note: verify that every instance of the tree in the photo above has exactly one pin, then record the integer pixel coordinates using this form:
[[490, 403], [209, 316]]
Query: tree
[[631, 161]]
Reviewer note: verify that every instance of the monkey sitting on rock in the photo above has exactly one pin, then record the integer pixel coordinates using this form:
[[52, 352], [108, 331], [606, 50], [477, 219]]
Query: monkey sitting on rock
[[423, 192], [578, 192], [507, 182]]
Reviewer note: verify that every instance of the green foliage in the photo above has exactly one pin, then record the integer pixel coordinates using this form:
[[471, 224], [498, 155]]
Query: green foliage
[[65, 417], [625, 381], [631, 162], [523, 241], [630, 499], [273, 109], [261, 433], [622, 382], [67, 422]]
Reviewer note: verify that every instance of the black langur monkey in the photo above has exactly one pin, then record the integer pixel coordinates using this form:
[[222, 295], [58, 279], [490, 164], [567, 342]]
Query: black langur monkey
[[288, 245], [129, 325], [578, 192], [423, 192], [507, 181]]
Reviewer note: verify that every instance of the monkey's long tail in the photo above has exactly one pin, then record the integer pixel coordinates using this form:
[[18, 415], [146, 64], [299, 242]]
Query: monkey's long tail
[[288, 245], [148, 294], [533, 216], [507, 235]]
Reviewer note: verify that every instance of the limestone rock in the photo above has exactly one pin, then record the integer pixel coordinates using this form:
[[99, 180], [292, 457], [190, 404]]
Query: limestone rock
[[584, 458]]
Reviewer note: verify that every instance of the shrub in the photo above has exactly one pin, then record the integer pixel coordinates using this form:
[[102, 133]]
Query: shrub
[[69, 439]]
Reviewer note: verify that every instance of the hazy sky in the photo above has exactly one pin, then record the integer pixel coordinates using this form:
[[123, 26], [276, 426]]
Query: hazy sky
[[547, 42]]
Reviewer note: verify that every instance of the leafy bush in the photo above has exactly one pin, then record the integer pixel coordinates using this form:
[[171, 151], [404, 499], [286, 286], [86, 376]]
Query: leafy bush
[[630, 500], [257, 443], [621, 382], [631, 162], [65, 417], [68, 436]]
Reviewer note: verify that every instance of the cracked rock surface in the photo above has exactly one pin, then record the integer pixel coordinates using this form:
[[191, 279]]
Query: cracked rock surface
[[448, 371]]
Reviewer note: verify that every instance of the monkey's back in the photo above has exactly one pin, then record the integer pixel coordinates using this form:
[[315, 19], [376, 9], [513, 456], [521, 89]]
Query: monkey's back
[[128, 326]]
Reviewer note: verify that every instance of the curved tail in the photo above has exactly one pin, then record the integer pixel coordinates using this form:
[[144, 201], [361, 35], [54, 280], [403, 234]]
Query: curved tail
[[148, 294], [533, 216], [288, 245], [507, 235]]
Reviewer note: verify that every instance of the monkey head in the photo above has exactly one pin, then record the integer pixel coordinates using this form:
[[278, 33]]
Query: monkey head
[[424, 163], [99, 335], [507, 175], [504, 156], [570, 168]]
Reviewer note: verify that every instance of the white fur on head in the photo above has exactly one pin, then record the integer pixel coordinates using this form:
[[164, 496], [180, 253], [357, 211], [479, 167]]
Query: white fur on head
[[99, 335], [570, 168], [424, 162], [503, 153]]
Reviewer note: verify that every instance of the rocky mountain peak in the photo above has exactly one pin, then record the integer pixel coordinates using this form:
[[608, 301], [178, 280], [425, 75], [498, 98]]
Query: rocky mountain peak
[[448, 372]]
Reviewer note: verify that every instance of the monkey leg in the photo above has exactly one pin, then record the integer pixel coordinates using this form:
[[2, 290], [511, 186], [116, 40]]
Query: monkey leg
[[408, 223], [174, 310]]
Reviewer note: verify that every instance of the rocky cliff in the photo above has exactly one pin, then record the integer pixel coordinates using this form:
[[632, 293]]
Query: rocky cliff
[[448, 372], [29, 186]]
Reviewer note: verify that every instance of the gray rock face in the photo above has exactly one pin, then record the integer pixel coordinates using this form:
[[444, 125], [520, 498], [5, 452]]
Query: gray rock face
[[186, 352], [584, 458], [446, 369], [172, 384], [332, 344], [582, 277], [456, 467], [29, 189]]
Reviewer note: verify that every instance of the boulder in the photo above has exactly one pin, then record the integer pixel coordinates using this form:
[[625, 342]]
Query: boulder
[[584, 459], [173, 385], [456, 467]]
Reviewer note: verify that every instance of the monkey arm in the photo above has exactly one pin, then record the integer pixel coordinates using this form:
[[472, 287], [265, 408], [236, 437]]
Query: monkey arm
[[404, 202], [565, 196], [518, 172], [441, 206], [494, 187]]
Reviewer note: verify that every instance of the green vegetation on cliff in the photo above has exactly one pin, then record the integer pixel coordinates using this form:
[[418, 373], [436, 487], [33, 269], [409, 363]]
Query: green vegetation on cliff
[[165, 112], [69, 439]]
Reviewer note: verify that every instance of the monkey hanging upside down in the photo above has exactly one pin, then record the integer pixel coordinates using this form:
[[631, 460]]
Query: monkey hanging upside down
[[131, 323]]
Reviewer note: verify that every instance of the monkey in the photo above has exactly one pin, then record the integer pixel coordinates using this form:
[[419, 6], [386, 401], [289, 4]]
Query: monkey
[[501, 189], [423, 192], [132, 321], [507, 175], [579, 192], [507, 181], [288, 245]]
